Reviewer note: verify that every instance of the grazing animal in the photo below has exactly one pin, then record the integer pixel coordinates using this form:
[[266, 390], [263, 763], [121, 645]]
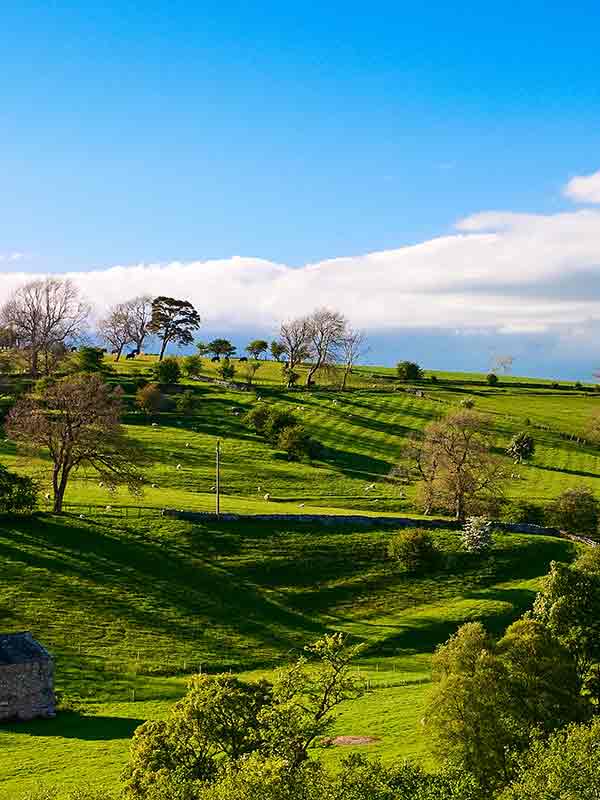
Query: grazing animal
[[178, 466], [301, 505], [108, 508], [47, 495], [81, 516], [212, 489], [101, 484], [155, 424], [131, 355], [155, 486], [267, 497], [243, 358], [214, 359], [187, 444]]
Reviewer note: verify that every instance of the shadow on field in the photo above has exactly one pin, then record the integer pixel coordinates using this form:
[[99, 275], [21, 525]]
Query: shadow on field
[[71, 725]]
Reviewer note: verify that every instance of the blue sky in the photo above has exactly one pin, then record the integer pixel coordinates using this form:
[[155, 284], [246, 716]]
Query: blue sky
[[144, 133]]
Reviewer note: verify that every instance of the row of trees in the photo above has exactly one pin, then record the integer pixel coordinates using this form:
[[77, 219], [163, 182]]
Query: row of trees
[[46, 317]]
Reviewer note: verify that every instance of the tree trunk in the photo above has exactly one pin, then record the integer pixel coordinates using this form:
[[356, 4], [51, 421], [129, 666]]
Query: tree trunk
[[459, 506], [162, 349], [59, 485], [345, 378], [311, 373], [119, 351]]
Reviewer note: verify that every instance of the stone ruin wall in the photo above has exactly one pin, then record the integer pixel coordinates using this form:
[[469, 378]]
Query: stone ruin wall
[[26, 690]]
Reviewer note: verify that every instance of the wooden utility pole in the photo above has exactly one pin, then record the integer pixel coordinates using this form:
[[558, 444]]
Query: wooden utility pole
[[218, 479]]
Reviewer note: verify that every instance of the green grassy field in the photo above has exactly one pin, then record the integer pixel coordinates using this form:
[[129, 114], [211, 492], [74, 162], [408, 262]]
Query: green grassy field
[[131, 607], [131, 602]]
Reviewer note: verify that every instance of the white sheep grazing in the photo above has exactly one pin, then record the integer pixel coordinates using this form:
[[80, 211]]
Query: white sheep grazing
[[178, 466], [212, 488], [155, 486], [155, 424], [108, 508], [301, 505], [187, 444], [47, 495], [81, 516], [100, 484], [267, 497]]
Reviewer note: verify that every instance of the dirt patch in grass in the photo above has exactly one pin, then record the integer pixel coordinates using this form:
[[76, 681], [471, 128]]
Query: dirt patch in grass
[[350, 741]]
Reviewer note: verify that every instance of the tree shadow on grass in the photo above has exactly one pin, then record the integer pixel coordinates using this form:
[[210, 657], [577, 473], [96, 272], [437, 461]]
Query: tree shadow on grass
[[73, 725]]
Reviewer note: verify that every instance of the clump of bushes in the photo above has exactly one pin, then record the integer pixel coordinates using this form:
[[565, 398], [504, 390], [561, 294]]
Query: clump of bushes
[[492, 379], [167, 371], [414, 549], [149, 398], [282, 430], [477, 535], [409, 371], [576, 511], [185, 403], [467, 402], [192, 366], [521, 447], [525, 511], [18, 493]]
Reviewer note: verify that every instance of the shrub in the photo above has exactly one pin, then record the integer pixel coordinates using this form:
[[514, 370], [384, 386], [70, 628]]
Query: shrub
[[257, 418], [290, 377], [17, 492], [295, 441], [192, 366], [185, 403], [91, 359], [467, 402], [576, 511], [477, 534], [521, 447], [277, 420], [413, 549], [434, 378], [167, 371], [492, 379], [149, 398], [409, 371], [525, 511], [225, 369]]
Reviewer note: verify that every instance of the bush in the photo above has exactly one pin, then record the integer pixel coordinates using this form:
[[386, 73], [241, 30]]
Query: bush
[[521, 447], [91, 359], [409, 371], [492, 379], [257, 418], [576, 511], [434, 379], [18, 493], [225, 369], [149, 398], [467, 402], [477, 534], [413, 549], [277, 420], [185, 403], [524, 511], [290, 377], [192, 366], [295, 441], [167, 371]]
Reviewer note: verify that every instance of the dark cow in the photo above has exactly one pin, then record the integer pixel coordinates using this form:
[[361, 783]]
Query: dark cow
[[215, 358], [133, 354], [243, 358]]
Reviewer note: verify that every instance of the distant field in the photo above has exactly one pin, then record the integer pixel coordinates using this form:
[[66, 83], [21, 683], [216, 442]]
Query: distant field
[[129, 607]]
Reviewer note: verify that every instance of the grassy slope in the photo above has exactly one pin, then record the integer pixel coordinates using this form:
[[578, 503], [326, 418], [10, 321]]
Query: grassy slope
[[134, 605]]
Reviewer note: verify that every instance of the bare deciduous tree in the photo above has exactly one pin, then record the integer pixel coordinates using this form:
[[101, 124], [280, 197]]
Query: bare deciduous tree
[[45, 316], [293, 338], [353, 347], [326, 331], [456, 464], [77, 422], [139, 314], [115, 328]]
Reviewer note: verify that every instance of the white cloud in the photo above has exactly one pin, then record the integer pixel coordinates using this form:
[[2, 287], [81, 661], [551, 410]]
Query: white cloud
[[500, 271], [584, 188]]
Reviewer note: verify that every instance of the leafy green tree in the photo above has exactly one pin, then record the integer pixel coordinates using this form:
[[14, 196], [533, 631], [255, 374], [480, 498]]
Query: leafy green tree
[[91, 359], [149, 398], [415, 550], [566, 767], [203, 348], [257, 347], [18, 493], [521, 447], [409, 371], [249, 370], [221, 348], [225, 369], [489, 699], [492, 379], [576, 510], [277, 350], [167, 371], [192, 366], [173, 321], [296, 442]]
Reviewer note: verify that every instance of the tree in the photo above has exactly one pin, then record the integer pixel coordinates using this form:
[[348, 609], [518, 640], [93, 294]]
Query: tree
[[173, 321], [566, 766], [415, 550], [221, 348], [91, 359], [575, 510], [226, 370], [138, 311], [18, 493], [168, 371], [294, 339], [492, 379], [116, 328], [353, 348], [409, 371], [203, 348], [192, 366], [277, 350], [326, 331], [249, 370], [185, 402], [45, 317], [456, 463], [76, 420], [489, 699], [521, 447], [257, 347], [296, 442], [149, 398]]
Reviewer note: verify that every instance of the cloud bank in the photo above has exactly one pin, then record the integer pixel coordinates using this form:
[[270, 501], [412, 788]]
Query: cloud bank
[[498, 272]]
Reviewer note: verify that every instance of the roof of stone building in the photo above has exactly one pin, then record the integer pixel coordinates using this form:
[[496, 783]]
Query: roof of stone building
[[19, 648]]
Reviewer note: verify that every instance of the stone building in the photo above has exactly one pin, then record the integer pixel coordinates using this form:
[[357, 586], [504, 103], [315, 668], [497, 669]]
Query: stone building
[[26, 678]]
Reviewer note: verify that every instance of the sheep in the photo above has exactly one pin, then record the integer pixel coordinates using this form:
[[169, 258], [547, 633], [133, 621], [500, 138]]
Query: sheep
[[47, 495], [187, 444], [155, 424], [81, 516], [301, 505], [101, 484], [178, 466], [155, 486], [108, 508], [267, 497], [212, 489]]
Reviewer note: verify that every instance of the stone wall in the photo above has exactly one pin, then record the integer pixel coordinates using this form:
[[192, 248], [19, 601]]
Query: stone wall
[[26, 690]]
